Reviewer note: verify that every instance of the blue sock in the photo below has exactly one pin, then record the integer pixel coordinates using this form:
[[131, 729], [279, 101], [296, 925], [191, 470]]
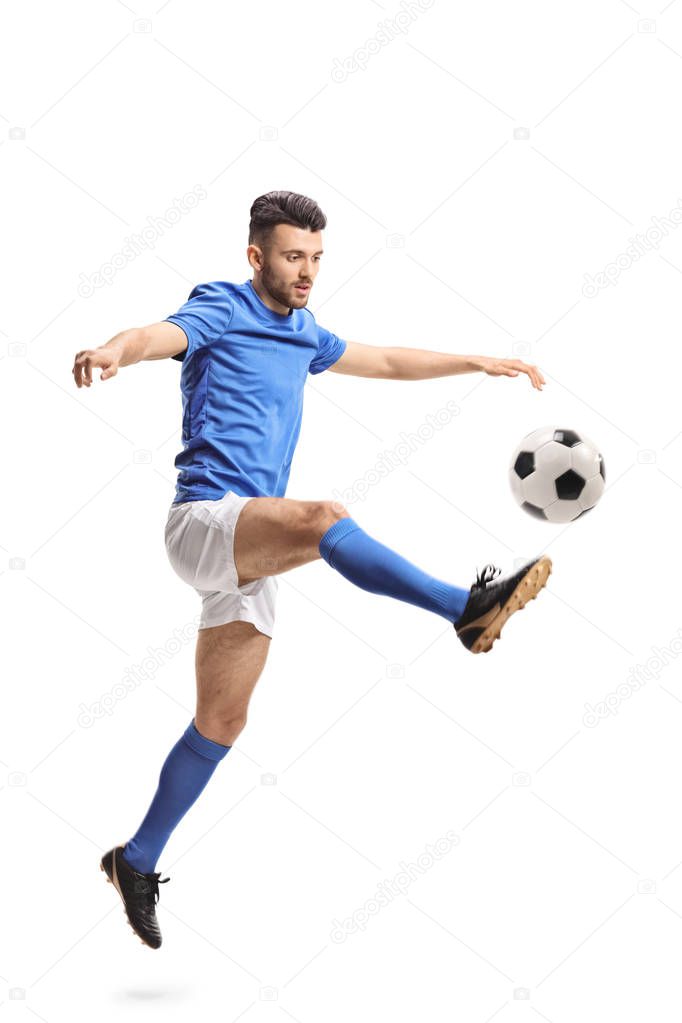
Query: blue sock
[[374, 567], [184, 775]]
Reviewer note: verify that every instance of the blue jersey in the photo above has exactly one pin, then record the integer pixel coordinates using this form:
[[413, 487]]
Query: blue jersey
[[242, 380]]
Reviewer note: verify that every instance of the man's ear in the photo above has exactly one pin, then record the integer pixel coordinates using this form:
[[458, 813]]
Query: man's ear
[[254, 254]]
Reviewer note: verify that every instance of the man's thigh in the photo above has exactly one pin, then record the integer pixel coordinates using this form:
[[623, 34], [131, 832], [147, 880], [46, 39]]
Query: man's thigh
[[276, 534], [229, 661]]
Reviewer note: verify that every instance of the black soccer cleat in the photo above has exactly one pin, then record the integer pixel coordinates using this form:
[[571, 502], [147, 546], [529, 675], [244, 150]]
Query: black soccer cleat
[[492, 600], [140, 893]]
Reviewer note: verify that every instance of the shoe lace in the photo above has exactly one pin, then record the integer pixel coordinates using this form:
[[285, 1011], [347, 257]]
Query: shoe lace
[[149, 885], [485, 576]]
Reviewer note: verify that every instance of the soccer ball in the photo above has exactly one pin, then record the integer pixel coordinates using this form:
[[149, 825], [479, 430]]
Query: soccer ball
[[556, 474]]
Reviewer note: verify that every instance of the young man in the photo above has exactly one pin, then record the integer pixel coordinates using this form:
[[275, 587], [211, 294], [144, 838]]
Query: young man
[[246, 350]]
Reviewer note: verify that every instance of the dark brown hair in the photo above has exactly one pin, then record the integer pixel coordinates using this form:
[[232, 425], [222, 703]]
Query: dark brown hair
[[283, 208]]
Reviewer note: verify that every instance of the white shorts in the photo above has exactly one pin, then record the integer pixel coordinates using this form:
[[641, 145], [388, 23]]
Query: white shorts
[[199, 539]]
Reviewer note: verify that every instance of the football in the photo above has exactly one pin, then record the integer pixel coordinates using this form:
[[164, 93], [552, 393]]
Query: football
[[557, 474]]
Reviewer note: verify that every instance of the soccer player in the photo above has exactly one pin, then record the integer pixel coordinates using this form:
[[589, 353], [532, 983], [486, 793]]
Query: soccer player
[[246, 350]]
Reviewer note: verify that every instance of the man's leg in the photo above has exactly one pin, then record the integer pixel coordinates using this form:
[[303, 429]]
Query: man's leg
[[276, 534], [229, 661]]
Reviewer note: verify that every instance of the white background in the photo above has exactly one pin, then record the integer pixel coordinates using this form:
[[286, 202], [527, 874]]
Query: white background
[[372, 733]]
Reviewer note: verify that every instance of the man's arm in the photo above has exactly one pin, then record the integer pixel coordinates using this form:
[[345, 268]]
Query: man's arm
[[156, 341], [416, 364]]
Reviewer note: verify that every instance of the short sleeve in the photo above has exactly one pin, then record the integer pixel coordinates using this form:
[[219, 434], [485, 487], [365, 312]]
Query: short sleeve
[[204, 317], [330, 348]]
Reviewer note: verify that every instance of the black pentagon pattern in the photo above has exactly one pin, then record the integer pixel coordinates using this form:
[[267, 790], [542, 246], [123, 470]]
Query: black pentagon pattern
[[524, 464], [533, 509], [569, 486], [568, 437], [602, 468]]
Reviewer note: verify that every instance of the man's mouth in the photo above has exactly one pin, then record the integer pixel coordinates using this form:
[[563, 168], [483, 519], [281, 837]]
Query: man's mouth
[[302, 287]]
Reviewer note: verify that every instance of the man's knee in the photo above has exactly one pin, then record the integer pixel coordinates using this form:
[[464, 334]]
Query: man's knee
[[324, 514], [220, 726]]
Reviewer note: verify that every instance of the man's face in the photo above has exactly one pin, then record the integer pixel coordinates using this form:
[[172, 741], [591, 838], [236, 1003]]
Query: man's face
[[289, 260]]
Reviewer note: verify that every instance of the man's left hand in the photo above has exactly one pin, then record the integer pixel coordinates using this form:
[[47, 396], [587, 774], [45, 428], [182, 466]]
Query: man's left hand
[[511, 368]]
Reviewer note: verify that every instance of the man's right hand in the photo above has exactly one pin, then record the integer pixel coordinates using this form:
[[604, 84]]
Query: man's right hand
[[106, 359]]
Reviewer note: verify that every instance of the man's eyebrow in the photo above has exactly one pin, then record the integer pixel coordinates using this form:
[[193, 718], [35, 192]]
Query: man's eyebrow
[[286, 252]]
